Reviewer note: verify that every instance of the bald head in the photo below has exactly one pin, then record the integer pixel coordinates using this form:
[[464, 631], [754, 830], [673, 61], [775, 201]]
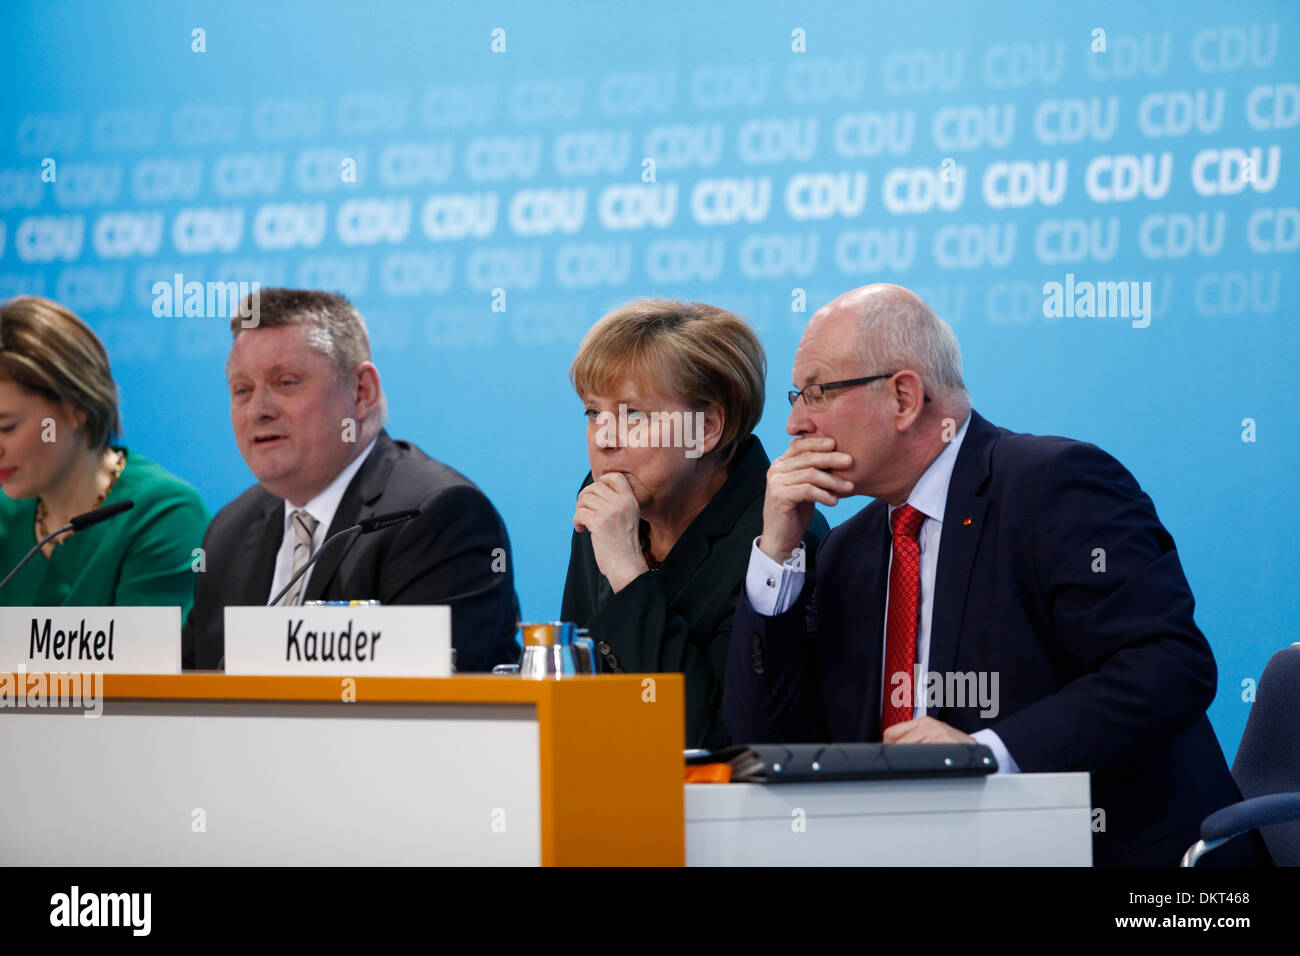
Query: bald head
[[892, 328]]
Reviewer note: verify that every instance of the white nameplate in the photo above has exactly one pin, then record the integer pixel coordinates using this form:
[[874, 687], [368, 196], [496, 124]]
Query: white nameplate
[[112, 640], [396, 641]]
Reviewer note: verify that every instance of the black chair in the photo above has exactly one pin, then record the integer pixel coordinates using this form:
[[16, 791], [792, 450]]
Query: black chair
[[1267, 769]]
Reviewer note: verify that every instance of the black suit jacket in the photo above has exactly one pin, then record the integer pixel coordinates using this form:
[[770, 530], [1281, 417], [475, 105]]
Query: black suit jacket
[[1102, 671], [456, 552], [677, 618]]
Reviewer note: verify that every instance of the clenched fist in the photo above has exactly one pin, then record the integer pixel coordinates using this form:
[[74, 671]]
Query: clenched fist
[[796, 482], [609, 510]]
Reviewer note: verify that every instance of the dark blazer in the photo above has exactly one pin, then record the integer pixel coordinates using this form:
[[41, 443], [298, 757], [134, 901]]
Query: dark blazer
[[456, 552], [677, 618], [1103, 671]]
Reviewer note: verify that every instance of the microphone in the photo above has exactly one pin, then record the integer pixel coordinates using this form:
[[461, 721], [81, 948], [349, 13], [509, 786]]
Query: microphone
[[78, 523], [364, 526]]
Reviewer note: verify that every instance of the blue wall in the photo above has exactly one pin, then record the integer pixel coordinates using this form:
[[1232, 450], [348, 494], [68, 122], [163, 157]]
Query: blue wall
[[226, 164]]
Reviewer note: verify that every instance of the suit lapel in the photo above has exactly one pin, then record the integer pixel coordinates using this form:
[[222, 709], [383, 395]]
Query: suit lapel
[[874, 580], [360, 500], [255, 558], [963, 527], [747, 481]]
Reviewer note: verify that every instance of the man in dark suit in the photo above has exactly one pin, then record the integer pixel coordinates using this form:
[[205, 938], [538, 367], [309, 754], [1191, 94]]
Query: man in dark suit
[[1027, 596], [308, 411]]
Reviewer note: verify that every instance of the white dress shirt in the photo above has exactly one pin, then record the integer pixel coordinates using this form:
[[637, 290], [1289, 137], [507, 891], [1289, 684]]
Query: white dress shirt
[[322, 508], [773, 588]]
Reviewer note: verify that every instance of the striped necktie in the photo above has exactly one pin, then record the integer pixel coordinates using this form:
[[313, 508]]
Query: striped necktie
[[304, 526]]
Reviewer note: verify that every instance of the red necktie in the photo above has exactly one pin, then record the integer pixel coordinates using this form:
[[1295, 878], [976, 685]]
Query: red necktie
[[900, 627]]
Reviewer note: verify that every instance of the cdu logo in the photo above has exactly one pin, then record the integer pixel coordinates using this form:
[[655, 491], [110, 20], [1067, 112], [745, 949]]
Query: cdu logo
[[240, 175], [589, 154], [823, 195], [90, 288], [364, 222], [47, 238], [369, 113], [918, 189], [721, 202], [1024, 64], [539, 101], [48, 134], [1178, 234], [320, 170], [494, 158], [1076, 240], [542, 212], [1273, 230], [1273, 106], [450, 216], [582, 265], [1225, 172], [19, 189], [417, 273], [873, 133], [1127, 56], [163, 180], [1022, 183], [683, 145], [202, 231], [87, 184], [415, 164], [119, 235], [974, 127], [347, 274], [504, 268], [126, 129], [685, 260], [776, 140], [1220, 294], [1061, 122], [922, 71], [727, 87], [866, 251], [1178, 112], [198, 125], [287, 120], [451, 107], [818, 80], [778, 254], [637, 206], [279, 226], [974, 246], [630, 94], [1124, 177], [1217, 49]]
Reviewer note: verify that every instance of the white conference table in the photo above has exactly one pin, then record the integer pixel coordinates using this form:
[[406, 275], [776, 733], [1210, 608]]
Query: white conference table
[[1042, 819]]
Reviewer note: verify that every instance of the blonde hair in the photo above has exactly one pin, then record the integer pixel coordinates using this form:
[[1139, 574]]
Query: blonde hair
[[697, 353], [46, 349]]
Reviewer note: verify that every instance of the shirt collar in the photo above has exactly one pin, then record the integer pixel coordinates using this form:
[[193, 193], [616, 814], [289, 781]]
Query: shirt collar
[[323, 506], [930, 494]]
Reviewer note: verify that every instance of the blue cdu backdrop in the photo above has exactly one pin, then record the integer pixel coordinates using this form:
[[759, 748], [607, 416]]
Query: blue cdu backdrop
[[1103, 202]]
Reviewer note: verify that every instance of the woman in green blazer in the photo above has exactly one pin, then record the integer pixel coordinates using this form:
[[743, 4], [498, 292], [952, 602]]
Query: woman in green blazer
[[667, 517], [58, 418]]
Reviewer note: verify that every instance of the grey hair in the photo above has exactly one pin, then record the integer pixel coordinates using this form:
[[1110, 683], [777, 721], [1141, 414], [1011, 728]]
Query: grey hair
[[334, 327], [897, 330]]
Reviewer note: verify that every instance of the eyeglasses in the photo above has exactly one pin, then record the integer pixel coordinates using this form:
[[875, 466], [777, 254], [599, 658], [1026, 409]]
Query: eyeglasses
[[814, 396]]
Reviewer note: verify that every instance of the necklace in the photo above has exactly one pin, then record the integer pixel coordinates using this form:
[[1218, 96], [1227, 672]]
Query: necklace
[[42, 513]]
